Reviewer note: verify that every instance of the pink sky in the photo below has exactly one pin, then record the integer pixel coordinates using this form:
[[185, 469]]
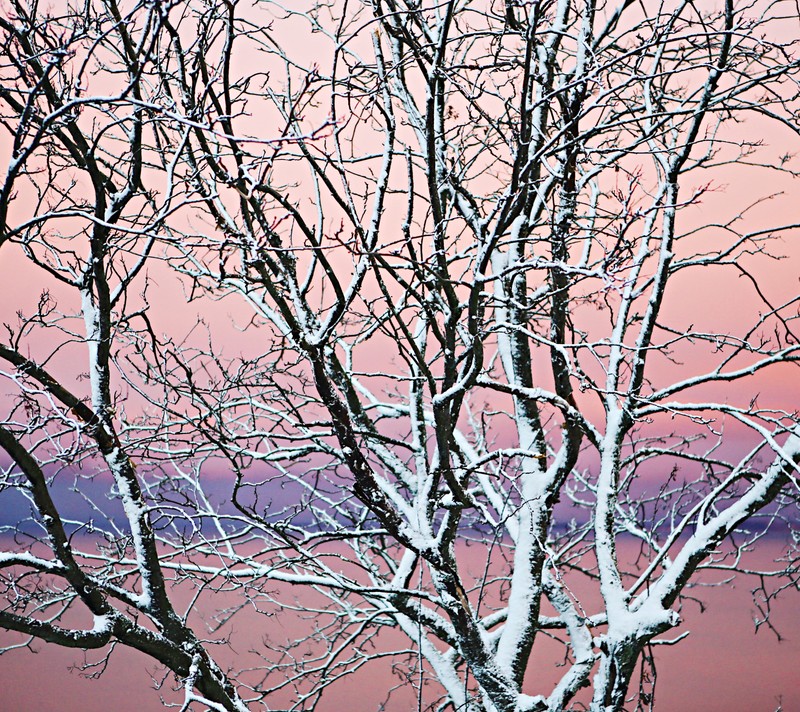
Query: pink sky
[[722, 666]]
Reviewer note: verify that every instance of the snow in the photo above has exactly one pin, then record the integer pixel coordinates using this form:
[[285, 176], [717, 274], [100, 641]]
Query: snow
[[529, 702], [136, 515], [92, 323], [102, 624]]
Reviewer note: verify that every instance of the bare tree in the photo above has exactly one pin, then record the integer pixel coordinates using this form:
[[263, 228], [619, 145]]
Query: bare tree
[[454, 239]]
